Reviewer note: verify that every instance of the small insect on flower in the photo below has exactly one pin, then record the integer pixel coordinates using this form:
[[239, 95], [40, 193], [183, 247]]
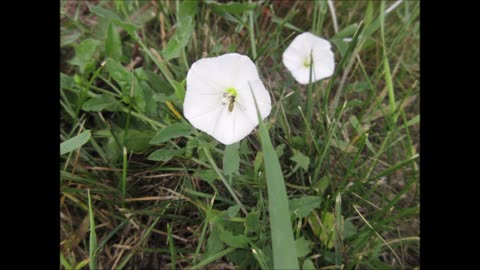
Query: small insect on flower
[[218, 99], [306, 52]]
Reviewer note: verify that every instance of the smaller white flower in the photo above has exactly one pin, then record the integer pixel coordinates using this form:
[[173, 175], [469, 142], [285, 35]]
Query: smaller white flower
[[297, 58], [218, 100]]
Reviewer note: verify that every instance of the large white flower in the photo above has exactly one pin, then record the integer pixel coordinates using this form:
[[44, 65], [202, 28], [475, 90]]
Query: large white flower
[[298, 55], [218, 100]]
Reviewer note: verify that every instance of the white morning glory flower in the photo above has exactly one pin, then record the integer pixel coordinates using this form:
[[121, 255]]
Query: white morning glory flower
[[218, 100], [298, 55]]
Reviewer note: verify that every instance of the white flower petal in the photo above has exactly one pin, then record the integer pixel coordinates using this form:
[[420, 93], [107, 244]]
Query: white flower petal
[[205, 108], [299, 52]]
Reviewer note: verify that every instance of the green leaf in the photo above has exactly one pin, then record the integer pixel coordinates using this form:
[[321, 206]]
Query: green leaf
[[120, 74], [252, 222], [303, 246], [238, 241], [233, 210], [231, 159], [231, 7], [113, 44], [100, 103], [66, 82], [171, 132], [302, 160], [258, 163], [180, 38], [322, 184], [84, 54], [302, 207], [413, 121], [188, 8], [105, 13], [179, 90], [283, 244], [280, 150], [162, 155], [137, 140], [75, 142], [207, 175], [308, 265], [348, 229], [325, 231], [214, 244]]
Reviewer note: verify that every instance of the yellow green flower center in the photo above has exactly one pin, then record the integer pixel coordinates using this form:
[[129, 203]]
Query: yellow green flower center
[[231, 91], [306, 62]]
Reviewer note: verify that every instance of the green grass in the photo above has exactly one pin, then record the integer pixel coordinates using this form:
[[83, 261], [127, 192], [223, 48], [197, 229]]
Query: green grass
[[142, 189]]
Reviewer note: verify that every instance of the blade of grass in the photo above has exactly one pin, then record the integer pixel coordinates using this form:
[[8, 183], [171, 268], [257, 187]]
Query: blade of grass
[[204, 229], [93, 237], [171, 245], [386, 66], [283, 244]]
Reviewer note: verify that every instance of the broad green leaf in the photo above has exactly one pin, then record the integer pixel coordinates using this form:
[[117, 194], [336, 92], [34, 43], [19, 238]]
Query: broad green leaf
[[231, 7], [280, 150], [302, 207], [120, 74], [231, 159], [322, 184], [303, 246], [113, 44], [84, 55], [188, 8], [180, 38], [348, 229], [302, 160], [75, 142], [100, 103], [252, 222], [308, 265], [214, 244], [66, 82], [207, 175], [283, 244], [137, 140], [325, 231], [162, 155], [327, 235], [110, 15], [238, 241], [171, 132], [105, 13], [233, 210]]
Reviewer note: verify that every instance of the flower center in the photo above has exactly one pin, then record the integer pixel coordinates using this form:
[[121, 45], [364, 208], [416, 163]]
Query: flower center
[[231, 91], [306, 62], [229, 98]]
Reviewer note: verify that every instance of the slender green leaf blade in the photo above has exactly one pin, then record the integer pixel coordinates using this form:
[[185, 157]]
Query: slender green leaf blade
[[283, 244], [75, 142]]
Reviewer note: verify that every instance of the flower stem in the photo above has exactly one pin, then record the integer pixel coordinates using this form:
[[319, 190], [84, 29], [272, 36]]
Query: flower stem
[[227, 185]]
